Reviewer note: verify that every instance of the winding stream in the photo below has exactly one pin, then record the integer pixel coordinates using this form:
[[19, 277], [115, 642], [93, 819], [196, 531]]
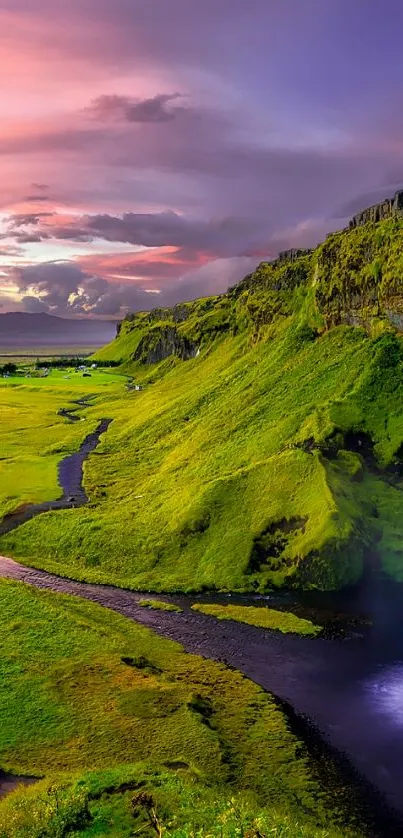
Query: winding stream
[[350, 689], [70, 476]]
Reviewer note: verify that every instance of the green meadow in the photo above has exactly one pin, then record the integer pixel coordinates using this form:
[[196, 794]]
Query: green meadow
[[34, 438], [264, 448], [102, 709]]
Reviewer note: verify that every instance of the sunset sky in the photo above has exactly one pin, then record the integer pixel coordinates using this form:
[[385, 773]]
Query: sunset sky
[[157, 150]]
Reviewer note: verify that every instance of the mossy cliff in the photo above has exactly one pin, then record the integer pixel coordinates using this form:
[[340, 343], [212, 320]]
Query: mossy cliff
[[272, 455]]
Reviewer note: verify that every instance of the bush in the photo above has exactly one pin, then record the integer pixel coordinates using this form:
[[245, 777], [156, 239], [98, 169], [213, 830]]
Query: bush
[[50, 812]]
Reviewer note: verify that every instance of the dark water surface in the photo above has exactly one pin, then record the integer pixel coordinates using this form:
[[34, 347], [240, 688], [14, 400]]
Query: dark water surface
[[9, 782]]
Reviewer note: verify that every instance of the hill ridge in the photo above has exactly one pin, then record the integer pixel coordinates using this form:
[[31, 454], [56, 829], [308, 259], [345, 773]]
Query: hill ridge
[[44, 329]]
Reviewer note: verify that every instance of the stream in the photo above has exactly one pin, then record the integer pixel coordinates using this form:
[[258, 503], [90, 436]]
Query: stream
[[345, 688], [70, 474]]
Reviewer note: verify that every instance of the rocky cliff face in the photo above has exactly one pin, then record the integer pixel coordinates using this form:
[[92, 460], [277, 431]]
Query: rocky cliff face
[[354, 277], [358, 274], [378, 212], [291, 255], [161, 342]]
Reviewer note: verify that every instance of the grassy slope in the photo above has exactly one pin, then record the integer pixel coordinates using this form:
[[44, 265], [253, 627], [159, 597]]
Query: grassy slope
[[208, 465], [260, 616], [233, 469], [96, 804], [69, 705]]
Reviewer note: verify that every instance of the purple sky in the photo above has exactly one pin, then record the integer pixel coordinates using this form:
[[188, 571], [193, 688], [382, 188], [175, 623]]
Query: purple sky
[[152, 151]]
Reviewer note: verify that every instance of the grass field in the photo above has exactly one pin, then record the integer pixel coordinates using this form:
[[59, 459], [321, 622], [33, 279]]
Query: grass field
[[70, 707], [34, 438]]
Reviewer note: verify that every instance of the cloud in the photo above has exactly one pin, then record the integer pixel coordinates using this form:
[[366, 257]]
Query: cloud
[[162, 229], [37, 198], [66, 289], [113, 106], [30, 238], [33, 305], [10, 251], [233, 167], [30, 219]]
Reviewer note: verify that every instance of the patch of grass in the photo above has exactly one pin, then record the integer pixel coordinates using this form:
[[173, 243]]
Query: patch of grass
[[83, 690], [159, 605], [119, 801], [264, 617]]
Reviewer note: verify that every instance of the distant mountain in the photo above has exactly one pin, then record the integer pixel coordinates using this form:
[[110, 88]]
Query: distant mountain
[[19, 329]]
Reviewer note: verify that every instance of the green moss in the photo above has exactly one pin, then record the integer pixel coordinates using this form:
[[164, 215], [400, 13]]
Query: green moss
[[82, 688], [159, 605], [269, 618]]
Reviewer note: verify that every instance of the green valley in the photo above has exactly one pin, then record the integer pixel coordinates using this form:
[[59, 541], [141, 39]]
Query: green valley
[[244, 443], [264, 446]]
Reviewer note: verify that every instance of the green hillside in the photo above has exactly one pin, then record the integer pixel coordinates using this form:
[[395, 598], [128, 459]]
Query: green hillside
[[265, 447]]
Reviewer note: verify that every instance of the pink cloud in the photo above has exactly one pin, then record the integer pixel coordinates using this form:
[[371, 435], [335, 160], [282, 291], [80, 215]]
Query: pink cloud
[[138, 129]]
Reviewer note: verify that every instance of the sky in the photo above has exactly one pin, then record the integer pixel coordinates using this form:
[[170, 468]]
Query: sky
[[153, 151]]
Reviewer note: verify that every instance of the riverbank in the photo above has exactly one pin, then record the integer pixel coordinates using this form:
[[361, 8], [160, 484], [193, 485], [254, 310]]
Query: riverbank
[[330, 684], [92, 696]]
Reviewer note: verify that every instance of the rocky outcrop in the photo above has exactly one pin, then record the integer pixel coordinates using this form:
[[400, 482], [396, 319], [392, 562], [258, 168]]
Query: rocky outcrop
[[161, 343], [355, 277], [291, 255], [386, 209], [178, 313]]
